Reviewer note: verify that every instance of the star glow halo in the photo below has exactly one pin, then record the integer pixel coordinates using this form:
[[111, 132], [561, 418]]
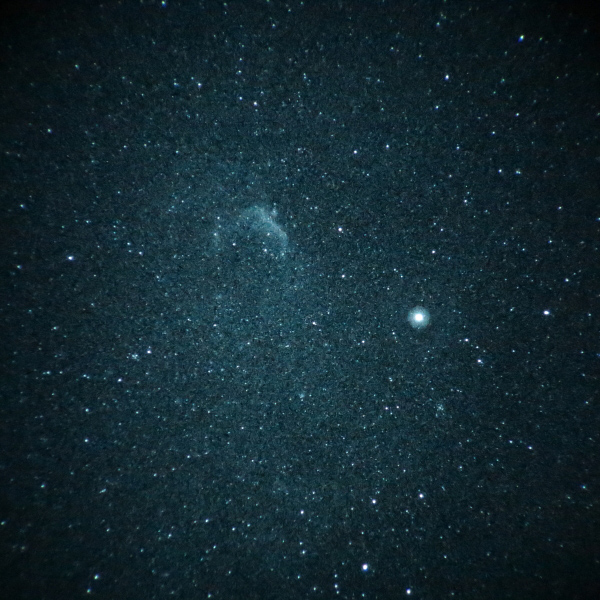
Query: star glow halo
[[419, 317]]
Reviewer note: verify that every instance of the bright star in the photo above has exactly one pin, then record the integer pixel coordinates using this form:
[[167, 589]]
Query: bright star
[[419, 317]]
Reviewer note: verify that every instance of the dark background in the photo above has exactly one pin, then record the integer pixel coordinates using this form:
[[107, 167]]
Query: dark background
[[182, 417]]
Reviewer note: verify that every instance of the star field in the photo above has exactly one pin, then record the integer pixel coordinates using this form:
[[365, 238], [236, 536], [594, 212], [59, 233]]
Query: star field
[[300, 301]]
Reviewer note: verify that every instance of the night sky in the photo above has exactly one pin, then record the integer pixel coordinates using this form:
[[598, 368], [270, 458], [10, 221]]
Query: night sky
[[217, 223]]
